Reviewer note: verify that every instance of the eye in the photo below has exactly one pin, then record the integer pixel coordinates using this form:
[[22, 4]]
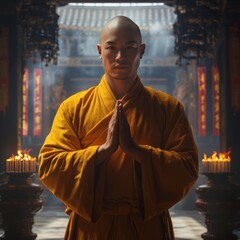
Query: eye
[[110, 47], [130, 47]]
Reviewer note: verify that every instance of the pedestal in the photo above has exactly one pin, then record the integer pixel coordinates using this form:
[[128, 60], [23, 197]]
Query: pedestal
[[20, 201], [218, 200]]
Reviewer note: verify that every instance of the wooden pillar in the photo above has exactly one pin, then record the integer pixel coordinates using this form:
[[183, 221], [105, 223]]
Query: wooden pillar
[[228, 56], [9, 115]]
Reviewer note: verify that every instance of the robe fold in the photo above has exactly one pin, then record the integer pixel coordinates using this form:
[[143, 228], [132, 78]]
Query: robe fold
[[119, 198]]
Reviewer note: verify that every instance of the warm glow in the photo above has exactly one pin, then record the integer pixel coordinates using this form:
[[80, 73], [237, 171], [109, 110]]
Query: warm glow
[[21, 163], [22, 155], [217, 157], [217, 163]]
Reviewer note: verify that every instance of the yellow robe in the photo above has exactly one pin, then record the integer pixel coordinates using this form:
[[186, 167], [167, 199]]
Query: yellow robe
[[119, 199]]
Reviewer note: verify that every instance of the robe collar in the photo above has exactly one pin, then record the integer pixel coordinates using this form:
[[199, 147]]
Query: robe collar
[[129, 98]]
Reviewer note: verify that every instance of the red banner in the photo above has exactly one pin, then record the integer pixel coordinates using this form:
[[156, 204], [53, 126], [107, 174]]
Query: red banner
[[234, 59], [25, 104], [215, 101], [4, 67], [202, 108], [37, 102]]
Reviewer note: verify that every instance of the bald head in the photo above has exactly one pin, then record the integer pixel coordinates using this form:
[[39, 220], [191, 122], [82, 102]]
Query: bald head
[[120, 51], [121, 22]]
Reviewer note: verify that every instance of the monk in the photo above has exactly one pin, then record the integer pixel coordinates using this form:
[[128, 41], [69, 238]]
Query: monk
[[119, 154]]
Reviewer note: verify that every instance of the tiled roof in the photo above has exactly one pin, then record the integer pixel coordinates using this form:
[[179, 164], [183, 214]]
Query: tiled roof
[[93, 18]]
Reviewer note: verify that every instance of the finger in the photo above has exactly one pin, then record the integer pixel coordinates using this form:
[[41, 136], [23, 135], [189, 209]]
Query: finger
[[122, 114], [119, 104], [112, 132], [115, 113]]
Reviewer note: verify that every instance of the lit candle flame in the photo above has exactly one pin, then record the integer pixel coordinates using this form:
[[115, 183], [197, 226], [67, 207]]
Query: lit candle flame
[[21, 163], [217, 157], [217, 163]]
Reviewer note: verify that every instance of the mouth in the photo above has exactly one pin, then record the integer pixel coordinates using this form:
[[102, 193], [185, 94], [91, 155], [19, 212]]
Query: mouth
[[121, 67]]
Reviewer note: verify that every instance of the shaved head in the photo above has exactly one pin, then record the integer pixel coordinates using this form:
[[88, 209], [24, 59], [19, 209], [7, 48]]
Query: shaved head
[[121, 22], [120, 50]]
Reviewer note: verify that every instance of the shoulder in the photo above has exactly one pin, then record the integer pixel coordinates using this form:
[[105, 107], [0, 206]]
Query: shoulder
[[162, 98], [164, 103], [76, 100]]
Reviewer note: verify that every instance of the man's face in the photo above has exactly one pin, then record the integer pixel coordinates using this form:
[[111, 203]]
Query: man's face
[[120, 51]]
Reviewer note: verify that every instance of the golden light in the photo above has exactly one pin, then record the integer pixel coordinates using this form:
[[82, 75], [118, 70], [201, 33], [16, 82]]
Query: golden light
[[217, 163], [23, 162]]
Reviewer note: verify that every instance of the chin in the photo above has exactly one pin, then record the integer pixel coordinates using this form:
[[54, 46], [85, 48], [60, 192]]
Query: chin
[[120, 76]]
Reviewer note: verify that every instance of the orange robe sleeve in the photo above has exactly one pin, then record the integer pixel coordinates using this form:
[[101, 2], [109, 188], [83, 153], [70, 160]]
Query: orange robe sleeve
[[166, 174], [68, 170]]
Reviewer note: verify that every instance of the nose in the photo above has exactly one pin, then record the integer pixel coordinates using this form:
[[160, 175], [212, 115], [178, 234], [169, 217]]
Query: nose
[[121, 55]]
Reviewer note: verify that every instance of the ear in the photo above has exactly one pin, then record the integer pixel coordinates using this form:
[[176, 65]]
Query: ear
[[142, 50], [99, 50]]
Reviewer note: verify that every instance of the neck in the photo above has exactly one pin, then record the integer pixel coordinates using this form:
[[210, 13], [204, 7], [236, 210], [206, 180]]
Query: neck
[[120, 87]]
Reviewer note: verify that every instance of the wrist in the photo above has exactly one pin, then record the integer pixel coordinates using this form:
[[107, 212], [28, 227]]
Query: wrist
[[102, 154], [135, 152]]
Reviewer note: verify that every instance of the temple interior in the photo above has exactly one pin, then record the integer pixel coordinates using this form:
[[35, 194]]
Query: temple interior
[[206, 81]]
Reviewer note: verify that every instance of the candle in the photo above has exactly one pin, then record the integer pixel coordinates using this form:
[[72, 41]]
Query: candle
[[21, 163], [217, 163]]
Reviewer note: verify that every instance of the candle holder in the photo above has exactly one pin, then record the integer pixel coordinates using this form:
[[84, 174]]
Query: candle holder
[[218, 200], [20, 201]]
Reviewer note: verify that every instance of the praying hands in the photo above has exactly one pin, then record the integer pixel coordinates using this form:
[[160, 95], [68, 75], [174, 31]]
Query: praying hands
[[119, 134]]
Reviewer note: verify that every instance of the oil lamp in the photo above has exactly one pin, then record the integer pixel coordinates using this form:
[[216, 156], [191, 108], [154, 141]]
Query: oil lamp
[[23, 162], [219, 199], [20, 197], [39, 24], [195, 29], [217, 163]]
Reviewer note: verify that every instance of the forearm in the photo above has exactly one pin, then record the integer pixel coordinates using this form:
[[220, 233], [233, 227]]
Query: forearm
[[136, 152], [103, 153]]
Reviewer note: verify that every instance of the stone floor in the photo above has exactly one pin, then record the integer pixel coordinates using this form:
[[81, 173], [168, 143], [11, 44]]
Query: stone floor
[[50, 225]]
